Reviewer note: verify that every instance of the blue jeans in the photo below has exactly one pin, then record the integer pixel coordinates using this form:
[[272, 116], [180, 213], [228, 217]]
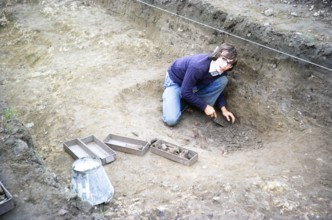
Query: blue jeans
[[173, 105]]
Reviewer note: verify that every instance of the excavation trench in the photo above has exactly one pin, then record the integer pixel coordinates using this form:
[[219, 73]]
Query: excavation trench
[[73, 69]]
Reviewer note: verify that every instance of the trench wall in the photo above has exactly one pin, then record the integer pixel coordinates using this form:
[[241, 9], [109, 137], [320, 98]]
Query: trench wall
[[267, 90]]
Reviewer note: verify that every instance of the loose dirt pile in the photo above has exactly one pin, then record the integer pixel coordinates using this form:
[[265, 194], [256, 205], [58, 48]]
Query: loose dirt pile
[[70, 69]]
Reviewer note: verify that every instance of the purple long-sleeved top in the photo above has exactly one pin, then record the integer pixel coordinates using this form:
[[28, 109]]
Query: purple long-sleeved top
[[193, 71]]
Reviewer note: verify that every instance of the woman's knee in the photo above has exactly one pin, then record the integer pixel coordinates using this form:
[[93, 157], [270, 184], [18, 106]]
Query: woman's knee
[[223, 81], [171, 120]]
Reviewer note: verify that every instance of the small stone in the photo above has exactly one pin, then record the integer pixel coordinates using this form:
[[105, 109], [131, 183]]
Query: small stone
[[136, 199], [268, 12], [160, 211], [62, 212], [30, 125], [316, 14], [294, 14], [21, 146], [175, 188]]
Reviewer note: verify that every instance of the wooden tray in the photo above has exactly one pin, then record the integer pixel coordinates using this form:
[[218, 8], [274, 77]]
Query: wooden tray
[[77, 149], [174, 153], [7, 204], [127, 145], [101, 150], [89, 147]]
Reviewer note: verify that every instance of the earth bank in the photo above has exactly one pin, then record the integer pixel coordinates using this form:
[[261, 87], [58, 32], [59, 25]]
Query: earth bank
[[72, 58]]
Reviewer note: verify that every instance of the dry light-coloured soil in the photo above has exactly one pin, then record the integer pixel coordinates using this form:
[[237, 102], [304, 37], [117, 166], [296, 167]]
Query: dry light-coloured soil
[[71, 69]]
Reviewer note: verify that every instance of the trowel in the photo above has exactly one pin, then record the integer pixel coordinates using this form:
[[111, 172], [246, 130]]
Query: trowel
[[219, 121]]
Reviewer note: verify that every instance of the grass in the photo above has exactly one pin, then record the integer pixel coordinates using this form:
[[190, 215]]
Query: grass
[[8, 114], [102, 210]]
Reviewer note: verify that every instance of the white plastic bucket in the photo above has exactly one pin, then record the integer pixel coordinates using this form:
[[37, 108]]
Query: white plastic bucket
[[90, 181]]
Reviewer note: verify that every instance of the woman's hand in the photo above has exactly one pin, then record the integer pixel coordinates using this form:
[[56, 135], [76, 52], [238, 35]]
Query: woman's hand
[[209, 111], [228, 115]]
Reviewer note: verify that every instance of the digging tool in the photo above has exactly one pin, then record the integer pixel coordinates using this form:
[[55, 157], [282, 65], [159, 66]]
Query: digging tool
[[219, 121]]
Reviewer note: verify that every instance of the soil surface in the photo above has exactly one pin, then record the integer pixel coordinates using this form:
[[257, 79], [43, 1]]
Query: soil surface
[[71, 69]]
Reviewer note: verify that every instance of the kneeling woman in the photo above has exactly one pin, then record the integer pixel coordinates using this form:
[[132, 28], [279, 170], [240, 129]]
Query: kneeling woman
[[198, 80]]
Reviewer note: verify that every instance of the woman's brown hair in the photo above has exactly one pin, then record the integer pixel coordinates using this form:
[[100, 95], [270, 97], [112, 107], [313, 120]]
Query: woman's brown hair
[[229, 53]]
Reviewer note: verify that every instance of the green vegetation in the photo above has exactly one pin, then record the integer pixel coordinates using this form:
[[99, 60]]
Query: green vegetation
[[101, 210], [8, 114]]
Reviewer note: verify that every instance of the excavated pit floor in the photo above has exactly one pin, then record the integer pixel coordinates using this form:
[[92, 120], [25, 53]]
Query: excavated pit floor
[[70, 70]]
